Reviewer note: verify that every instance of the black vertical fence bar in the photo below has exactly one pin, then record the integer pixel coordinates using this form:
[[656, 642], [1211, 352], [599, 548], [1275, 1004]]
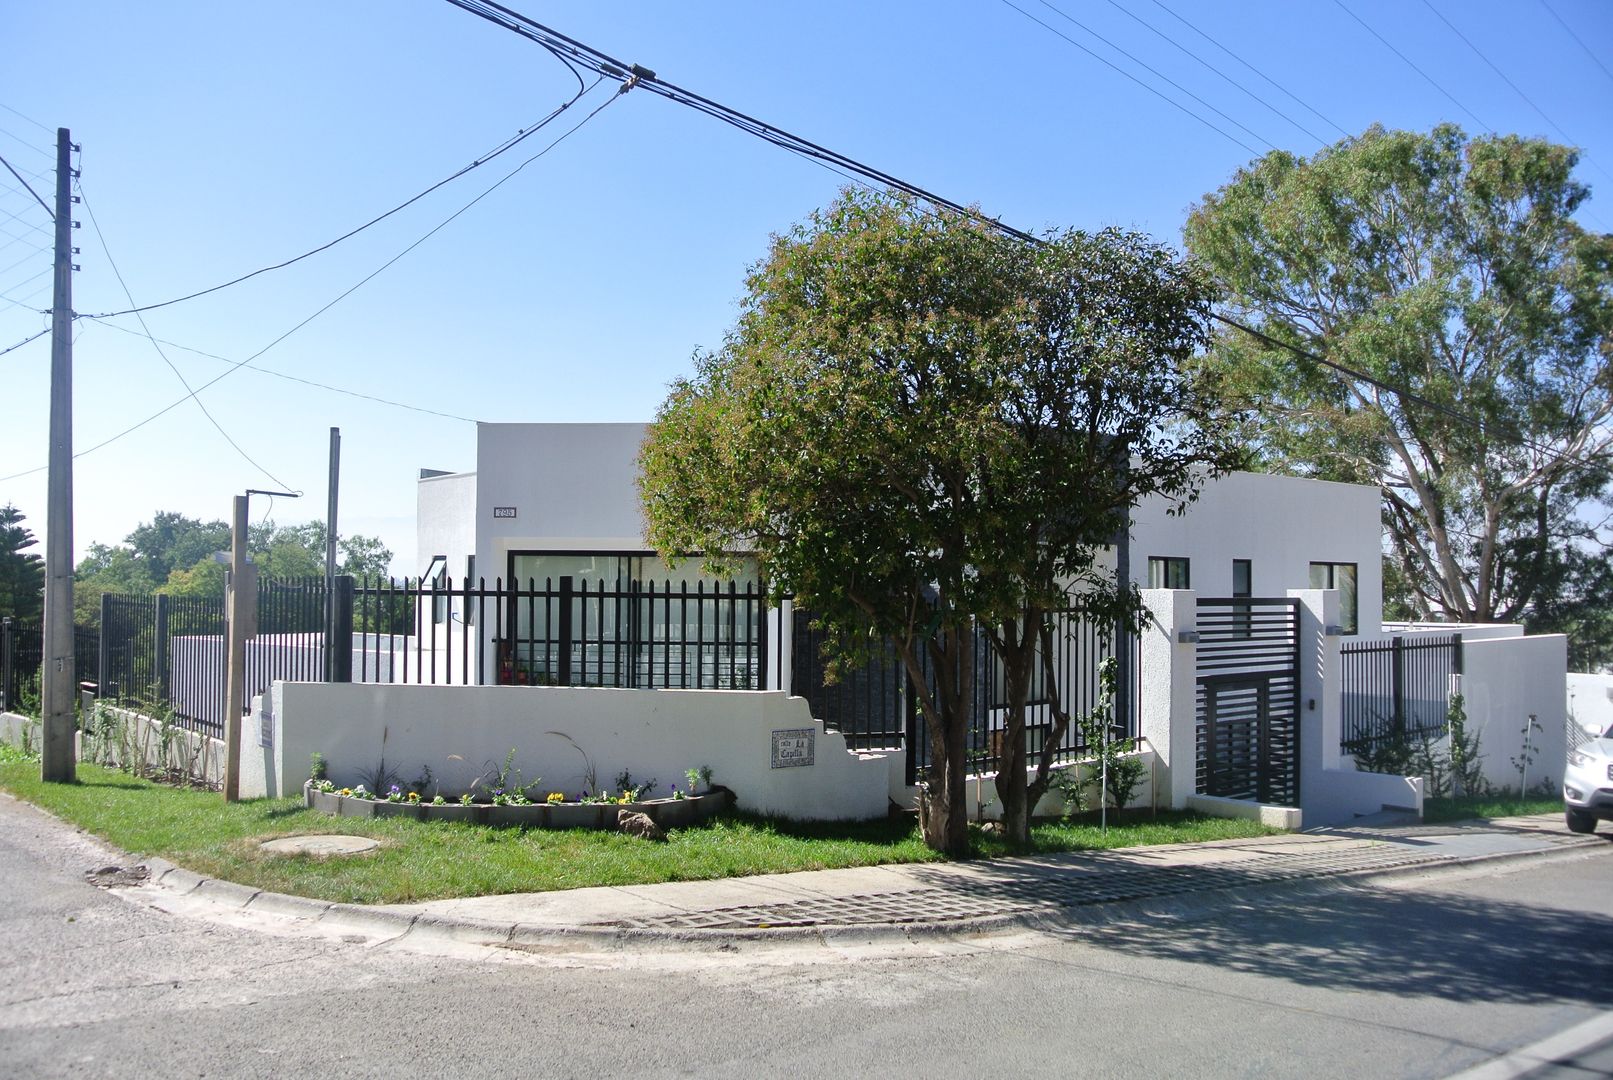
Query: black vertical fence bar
[[565, 632]]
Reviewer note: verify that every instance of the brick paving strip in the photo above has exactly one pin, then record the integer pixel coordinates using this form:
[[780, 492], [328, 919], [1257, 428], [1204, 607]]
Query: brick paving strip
[[1109, 877]]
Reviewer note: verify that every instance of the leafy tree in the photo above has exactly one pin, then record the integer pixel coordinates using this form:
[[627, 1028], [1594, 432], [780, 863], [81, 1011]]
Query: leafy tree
[[22, 572], [181, 551], [1450, 270], [919, 424]]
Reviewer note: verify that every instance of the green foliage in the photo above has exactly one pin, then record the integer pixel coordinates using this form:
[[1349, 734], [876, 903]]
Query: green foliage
[[318, 767], [22, 572], [174, 554], [918, 423], [1452, 270]]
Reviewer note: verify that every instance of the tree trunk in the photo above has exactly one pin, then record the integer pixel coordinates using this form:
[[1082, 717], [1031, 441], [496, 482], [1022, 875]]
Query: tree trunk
[[1015, 646], [943, 803]]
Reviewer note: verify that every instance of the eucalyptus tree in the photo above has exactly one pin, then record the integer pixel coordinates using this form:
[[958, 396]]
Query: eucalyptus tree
[[1451, 275]]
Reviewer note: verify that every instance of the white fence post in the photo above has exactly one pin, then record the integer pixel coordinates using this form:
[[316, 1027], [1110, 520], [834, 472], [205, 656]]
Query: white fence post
[[1166, 712]]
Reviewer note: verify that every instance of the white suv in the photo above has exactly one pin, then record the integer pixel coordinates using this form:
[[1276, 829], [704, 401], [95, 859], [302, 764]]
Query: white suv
[[1588, 783]]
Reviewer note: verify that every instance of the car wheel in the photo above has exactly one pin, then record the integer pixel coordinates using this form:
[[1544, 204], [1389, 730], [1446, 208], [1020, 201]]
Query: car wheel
[[1579, 821]]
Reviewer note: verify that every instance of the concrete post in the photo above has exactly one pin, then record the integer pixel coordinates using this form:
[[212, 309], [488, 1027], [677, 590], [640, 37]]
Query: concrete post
[[242, 612], [1166, 713]]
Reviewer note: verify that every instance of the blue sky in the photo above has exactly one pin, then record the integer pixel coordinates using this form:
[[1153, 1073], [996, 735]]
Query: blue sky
[[217, 138]]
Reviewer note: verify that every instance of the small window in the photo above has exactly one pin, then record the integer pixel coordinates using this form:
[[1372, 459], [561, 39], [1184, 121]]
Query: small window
[[1243, 577], [1168, 572], [1340, 576]]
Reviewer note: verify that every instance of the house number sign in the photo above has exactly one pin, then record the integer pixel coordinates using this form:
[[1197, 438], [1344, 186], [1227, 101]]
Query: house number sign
[[793, 747], [503, 511]]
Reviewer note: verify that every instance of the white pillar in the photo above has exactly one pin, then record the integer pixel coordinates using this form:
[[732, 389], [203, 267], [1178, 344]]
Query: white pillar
[[1320, 703], [1166, 711]]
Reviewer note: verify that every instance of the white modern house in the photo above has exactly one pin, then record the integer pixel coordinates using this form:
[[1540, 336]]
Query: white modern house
[[550, 499], [587, 654]]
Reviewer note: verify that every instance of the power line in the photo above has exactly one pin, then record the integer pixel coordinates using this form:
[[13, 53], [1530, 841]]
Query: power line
[[1515, 88], [25, 116], [24, 341], [1151, 89], [1577, 39], [1294, 97], [1152, 70], [636, 75], [211, 419], [244, 363], [1224, 76], [29, 186], [291, 378], [1429, 78], [35, 147], [508, 144]]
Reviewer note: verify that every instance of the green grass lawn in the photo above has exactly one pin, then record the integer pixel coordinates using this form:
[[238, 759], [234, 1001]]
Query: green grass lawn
[[436, 860], [1487, 806]]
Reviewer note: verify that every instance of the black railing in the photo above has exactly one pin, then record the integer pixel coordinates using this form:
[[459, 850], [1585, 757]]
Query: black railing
[[22, 656], [1080, 645], [1398, 690]]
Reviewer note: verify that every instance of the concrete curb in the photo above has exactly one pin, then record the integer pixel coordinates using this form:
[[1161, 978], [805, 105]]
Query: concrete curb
[[391, 925]]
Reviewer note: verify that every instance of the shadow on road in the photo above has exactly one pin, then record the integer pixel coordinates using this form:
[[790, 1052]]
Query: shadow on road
[[1427, 943]]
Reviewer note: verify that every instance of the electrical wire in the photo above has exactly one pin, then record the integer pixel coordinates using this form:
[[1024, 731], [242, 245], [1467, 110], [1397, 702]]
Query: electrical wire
[[1211, 67], [636, 75], [1292, 96], [1140, 63], [146, 330], [24, 341], [441, 225], [1515, 88], [27, 185], [288, 377], [26, 117], [507, 145], [1577, 39], [1409, 63]]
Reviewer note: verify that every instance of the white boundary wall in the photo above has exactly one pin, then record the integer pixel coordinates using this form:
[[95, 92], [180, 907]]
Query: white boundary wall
[[1506, 680], [461, 732]]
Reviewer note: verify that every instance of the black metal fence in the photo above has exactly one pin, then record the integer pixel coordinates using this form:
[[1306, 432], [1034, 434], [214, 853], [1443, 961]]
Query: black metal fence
[[1398, 690], [22, 656], [874, 707]]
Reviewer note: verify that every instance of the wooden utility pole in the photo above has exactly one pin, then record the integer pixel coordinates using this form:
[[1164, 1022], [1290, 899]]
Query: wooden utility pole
[[242, 612], [58, 755]]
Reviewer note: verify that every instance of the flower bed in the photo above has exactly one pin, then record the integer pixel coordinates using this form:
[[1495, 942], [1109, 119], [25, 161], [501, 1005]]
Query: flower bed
[[557, 814]]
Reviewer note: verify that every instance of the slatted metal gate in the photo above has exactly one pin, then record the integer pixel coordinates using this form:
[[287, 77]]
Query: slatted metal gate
[[1248, 699]]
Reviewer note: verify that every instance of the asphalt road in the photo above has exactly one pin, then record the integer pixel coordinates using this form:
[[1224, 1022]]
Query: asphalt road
[[1421, 975]]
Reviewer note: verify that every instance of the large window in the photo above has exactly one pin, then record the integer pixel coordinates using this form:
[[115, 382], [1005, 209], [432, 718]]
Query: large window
[[1340, 576], [1168, 572]]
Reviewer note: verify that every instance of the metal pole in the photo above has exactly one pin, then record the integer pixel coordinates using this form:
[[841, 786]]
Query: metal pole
[[58, 758], [241, 611], [331, 664]]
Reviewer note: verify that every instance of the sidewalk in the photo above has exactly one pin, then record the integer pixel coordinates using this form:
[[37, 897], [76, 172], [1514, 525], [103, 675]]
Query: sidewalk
[[909, 900]]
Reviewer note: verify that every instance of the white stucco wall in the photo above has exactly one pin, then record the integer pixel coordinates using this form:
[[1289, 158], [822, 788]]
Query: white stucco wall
[[445, 523], [1505, 680], [1281, 524], [463, 731]]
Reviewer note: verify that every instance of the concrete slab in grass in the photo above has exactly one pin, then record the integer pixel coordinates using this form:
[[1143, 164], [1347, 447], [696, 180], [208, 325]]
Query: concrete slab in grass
[[1277, 817]]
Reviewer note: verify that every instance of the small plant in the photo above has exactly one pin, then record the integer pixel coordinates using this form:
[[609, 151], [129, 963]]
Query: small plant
[[325, 786], [394, 794], [506, 781], [381, 778], [678, 795], [624, 783], [438, 800], [554, 797], [413, 798], [465, 799], [423, 781], [1526, 753], [360, 792], [1072, 788], [318, 767], [698, 778]]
